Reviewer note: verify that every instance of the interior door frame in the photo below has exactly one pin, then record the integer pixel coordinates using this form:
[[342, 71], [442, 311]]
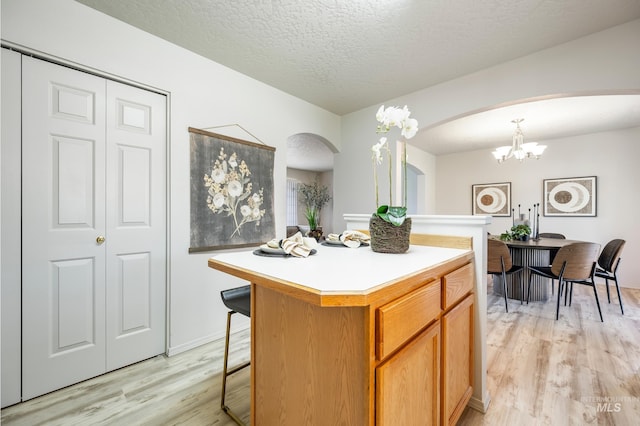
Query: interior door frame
[[11, 231], [103, 74]]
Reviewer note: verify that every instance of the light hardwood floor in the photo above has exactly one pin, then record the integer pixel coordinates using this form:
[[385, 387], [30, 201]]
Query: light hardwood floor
[[540, 372], [546, 372], [181, 390]]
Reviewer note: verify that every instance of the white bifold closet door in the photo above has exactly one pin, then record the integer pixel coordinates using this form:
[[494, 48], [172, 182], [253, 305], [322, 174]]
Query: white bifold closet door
[[93, 227]]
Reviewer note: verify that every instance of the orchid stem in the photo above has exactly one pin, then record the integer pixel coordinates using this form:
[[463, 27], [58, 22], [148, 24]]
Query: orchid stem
[[390, 176]]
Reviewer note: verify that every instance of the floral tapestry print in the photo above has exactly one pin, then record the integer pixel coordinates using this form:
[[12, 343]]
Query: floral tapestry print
[[231, 192]]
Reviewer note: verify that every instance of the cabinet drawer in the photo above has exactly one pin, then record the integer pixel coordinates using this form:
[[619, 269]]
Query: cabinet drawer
[[457, 284], [397, 321]]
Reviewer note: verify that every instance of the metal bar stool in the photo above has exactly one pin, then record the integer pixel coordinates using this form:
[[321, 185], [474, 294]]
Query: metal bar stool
[[237, 300]]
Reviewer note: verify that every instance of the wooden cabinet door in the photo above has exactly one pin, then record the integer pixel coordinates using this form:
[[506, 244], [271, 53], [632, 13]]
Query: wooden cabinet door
[[457, 360], [408, 384]]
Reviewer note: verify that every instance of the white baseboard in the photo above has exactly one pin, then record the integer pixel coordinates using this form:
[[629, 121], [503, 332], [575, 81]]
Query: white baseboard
[[480, 405], [175, 350]]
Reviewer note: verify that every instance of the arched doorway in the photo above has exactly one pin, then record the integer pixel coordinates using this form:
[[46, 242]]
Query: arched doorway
[[309, 161]]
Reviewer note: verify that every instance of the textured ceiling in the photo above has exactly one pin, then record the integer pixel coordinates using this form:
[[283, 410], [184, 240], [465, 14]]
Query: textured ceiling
[[309, 152], [343, 55]]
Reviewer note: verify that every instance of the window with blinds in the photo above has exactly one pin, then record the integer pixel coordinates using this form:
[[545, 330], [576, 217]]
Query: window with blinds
[[292, 202]]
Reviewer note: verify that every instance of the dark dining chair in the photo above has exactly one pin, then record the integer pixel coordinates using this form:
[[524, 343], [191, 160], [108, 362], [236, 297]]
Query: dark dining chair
[[608, 263], [552, 253], [238, 300], [499, 263], [574, 263]]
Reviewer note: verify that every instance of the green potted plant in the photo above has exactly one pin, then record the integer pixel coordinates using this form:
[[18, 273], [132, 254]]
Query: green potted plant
[[517, 232], [314, 197]]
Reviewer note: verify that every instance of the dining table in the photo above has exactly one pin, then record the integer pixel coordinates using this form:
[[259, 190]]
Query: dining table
[[532, 252]]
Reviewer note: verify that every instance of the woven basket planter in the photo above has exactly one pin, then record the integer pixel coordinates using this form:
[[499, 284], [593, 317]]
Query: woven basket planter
[[388, 238], [315, 233]]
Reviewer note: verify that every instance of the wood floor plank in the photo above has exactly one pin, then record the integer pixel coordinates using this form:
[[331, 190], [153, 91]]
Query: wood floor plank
[[573, 371], [180, 390]]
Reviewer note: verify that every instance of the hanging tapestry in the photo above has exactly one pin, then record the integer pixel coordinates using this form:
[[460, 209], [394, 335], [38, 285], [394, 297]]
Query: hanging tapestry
[[231, 192]]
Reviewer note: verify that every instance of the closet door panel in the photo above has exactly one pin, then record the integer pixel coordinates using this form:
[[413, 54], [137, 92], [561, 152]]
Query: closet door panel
[[136, 224], [63, 260]]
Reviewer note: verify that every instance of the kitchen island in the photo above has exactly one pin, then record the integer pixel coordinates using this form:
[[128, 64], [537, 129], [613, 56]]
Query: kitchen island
[[353, 337]]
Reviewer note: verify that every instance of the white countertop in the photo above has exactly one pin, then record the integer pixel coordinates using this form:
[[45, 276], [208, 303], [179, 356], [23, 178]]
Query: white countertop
[[341, 269]]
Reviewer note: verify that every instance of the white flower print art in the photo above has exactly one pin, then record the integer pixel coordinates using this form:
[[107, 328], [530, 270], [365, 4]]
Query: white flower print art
[[231, 192]]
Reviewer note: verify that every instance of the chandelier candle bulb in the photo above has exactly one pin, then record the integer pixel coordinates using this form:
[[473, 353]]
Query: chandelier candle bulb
[[518, 148]]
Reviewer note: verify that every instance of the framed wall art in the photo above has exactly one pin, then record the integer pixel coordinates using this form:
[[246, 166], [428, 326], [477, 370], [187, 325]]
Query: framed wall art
[[231, 192], [570, 196], [491, 199]]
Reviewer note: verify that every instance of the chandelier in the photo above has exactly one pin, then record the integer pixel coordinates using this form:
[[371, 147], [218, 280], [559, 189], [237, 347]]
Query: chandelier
[[518, 149]]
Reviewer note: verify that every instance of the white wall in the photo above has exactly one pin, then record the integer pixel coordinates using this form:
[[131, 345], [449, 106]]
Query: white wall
[[426, 164], [601, 62], [202, 94], [611, 156], [605, 61]]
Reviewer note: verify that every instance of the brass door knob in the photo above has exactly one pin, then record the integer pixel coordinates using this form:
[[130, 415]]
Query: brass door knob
[[100, 239]]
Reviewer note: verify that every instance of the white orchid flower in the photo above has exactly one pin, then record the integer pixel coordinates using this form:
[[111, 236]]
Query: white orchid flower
[[395, 117], [406, 113], [380, 114], [389, 117], [377, 148], [410, 128]]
